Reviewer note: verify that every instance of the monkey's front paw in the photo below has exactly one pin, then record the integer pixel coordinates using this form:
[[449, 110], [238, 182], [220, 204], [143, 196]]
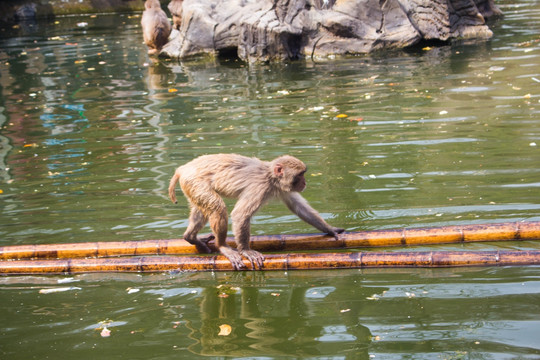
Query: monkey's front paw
[[339, 230], [233, 256], [335, 231], [254, 257]]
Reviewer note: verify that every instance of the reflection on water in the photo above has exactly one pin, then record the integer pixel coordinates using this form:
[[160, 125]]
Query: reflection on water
[[453, 313], [91, 130]]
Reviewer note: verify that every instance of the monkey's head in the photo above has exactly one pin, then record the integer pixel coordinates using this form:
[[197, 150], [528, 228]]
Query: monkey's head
[[152, 4], [289, 171]]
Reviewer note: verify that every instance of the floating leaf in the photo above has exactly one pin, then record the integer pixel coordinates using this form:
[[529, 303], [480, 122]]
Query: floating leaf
[[342, 116], [105, 332], [224, 330]]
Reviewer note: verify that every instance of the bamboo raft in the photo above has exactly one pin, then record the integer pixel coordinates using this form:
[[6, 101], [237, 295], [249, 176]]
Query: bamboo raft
[[140, 256]]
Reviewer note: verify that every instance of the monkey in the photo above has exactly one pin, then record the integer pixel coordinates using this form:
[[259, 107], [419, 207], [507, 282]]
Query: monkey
[[155, 25], [175, 7], [206, 180]]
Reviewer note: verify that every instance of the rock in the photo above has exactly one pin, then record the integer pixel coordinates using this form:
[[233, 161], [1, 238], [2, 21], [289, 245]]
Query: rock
[[268, 30]]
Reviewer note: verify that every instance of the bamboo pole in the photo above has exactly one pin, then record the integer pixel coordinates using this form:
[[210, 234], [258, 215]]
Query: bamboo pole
[[361, 239], [283, 262]]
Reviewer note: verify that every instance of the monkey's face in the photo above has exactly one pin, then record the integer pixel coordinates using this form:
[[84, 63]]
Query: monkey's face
[[290, 173], [299, 182]]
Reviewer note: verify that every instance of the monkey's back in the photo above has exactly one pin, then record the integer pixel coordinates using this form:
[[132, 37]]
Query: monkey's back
[[227, 174]]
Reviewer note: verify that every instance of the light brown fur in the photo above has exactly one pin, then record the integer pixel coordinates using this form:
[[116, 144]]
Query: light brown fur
[[155, 25], [206, 179], [175, 7]]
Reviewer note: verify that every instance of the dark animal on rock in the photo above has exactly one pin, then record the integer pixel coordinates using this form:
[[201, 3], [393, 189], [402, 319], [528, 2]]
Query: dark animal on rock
[[206, 179], [155, 25]]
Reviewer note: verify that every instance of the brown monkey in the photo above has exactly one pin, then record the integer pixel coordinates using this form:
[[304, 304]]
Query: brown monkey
[[155, 25], [175, 7], [206, 179]]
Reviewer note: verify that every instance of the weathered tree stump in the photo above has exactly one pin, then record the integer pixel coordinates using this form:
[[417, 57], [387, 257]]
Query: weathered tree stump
[[266, 30]]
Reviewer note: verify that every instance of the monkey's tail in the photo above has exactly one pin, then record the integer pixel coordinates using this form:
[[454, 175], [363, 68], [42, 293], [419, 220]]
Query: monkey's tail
[[172, 185]]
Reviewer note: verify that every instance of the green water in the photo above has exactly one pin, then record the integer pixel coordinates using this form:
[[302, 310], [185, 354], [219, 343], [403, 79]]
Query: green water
[[91, 131]]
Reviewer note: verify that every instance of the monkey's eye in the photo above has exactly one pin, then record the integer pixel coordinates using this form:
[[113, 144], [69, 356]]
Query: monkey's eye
[[298, 178]]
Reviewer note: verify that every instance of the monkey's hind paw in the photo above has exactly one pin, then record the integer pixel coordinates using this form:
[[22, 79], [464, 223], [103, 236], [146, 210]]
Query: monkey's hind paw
[[203, 248], [201, 243], [207, 238], [254, 257]]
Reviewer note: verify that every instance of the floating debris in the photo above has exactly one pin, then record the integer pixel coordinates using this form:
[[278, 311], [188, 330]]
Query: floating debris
[[224, 330], [105, 332], [58, 289]]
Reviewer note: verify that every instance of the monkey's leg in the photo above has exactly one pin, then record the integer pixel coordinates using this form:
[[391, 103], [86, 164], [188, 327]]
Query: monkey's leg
[[298, 205], [214, 208], [241, 235], [241, 217], [218, 223], [196, 222]]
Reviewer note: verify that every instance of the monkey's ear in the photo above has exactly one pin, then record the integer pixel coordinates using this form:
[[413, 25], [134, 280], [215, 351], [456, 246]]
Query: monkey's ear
[[278, 170]]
